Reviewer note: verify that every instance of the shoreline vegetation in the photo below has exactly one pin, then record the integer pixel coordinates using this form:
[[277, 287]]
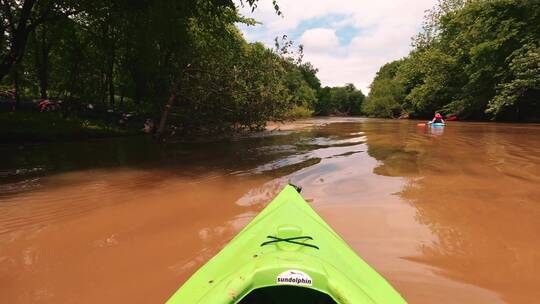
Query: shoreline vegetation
[[175, 68], [87, 69], [478, 60], [26, 128]]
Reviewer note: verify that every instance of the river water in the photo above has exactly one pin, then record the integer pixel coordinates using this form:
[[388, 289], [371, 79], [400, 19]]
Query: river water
[[449, 215]]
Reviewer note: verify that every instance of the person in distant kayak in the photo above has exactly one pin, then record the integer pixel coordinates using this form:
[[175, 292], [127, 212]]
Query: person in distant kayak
[[437, 119]]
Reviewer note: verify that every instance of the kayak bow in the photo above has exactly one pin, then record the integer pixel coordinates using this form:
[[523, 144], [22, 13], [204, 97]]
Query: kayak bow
[[286, 254]]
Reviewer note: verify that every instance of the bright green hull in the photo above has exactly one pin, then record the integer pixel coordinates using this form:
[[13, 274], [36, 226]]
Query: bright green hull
[[244, 265]]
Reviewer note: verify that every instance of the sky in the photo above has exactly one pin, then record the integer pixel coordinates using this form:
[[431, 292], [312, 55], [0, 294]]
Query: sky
[[347, 40]]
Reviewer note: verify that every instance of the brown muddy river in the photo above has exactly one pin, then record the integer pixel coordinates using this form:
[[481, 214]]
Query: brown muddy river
[[446, 215]]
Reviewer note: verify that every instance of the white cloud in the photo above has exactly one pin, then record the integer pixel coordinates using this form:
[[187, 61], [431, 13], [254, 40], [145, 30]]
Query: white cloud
[[318, 39], [383, 32]]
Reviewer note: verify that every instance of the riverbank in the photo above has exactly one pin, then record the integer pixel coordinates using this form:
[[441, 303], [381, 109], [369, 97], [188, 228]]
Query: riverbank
[[33, 126], [29, 127]]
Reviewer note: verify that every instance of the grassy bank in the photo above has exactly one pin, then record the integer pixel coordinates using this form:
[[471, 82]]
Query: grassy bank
[[40, 127]]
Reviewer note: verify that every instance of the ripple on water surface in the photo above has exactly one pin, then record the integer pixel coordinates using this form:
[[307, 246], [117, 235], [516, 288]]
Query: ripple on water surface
[[430, 210]]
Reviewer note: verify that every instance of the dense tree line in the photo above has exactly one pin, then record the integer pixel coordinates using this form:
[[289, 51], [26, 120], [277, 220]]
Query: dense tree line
[[345, 100], [340, 100], [478, 59], [182, 63]]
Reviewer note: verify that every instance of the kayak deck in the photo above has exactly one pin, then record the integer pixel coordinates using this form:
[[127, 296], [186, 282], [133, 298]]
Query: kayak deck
[[286, 245]]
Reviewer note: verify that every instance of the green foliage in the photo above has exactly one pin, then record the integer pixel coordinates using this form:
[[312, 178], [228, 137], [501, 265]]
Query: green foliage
[[346, 100], [299, 112], [429, 77], [519, 97], [386, 93], [231, 85], [184, 63], [474, 58], [310, 75]]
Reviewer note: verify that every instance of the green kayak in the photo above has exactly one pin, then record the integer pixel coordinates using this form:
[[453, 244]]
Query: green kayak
[[287, 254]]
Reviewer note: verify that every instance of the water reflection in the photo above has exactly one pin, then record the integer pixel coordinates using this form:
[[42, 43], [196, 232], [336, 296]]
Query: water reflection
[[436, 131], [471, 190]]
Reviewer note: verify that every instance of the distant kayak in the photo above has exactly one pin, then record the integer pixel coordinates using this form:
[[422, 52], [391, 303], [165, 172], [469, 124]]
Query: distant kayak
[[287, 254]]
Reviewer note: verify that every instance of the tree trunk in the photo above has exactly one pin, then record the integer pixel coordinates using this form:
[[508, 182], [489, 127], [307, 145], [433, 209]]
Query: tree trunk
[[110, 80], [16, 82], [140, 82], [110, 77], [167, 110], [121, 104], [19, 35], [42, 50], [44, 76], [103, 87]]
